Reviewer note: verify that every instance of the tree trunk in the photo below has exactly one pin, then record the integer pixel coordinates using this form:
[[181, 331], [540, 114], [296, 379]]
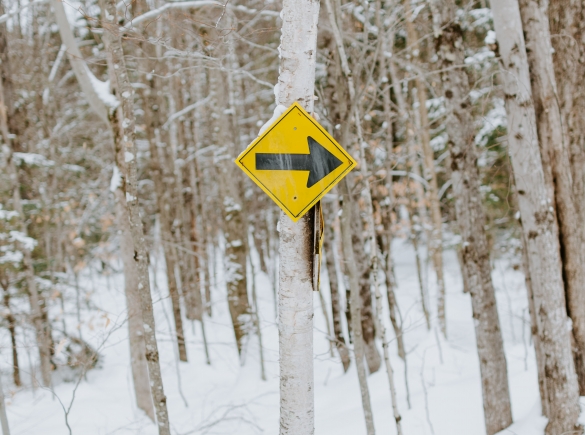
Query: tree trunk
[[296, 80], [471, 221], [37, 302], [123, 123], [192, 288], [257, 320], [12, 329], [539, 223], [554, 149], [567, 23], [430, 174], [235, 228], [138, 361], [336, 310], [164, 180], [3, 417], [10, 319], [383, 197], [418, 191], [355, 303], [367, 313], [171, 264], [540, 360]]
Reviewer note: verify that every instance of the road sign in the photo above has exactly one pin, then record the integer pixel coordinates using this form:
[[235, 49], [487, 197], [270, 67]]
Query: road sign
[[295, 161]]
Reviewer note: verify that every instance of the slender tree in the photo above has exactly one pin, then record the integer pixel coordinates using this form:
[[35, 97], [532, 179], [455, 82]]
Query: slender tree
[[123, 126]]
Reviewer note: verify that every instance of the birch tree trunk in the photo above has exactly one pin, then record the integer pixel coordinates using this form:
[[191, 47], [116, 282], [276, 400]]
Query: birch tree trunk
[[296, 81], [236, 228], [135, 323], [471, 220], [383, 196], [123, 122], [138, 362], [539, 224], [554, 149], [136, 332]]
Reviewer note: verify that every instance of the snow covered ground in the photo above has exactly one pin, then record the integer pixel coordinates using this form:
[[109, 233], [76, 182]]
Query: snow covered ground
[[228, 398]]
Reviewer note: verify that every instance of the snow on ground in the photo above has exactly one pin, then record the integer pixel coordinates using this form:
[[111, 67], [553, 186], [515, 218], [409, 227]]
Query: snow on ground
[[228, 398]]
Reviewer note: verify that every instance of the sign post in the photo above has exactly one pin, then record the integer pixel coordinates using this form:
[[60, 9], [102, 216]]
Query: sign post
[[295, 161]]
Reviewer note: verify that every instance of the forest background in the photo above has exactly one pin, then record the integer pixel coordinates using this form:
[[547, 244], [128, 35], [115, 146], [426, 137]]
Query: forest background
[[129, 239]]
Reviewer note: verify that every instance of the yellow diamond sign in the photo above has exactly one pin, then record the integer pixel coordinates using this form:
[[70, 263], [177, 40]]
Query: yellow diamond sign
[[295, 161]]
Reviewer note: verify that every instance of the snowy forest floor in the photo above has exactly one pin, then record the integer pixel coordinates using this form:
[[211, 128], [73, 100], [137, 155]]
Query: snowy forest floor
[[228, 398]]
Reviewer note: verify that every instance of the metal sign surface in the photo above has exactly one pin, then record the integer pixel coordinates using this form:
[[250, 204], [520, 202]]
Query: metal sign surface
[[295, 161]]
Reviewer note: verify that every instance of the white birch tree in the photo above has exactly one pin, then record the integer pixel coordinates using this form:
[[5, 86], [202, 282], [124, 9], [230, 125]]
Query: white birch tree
[[296, 81]]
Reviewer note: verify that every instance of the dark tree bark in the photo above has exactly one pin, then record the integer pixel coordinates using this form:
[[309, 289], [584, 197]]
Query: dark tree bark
[[561, 131]]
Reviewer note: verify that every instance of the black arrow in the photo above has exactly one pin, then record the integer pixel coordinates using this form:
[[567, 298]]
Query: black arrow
[[319, 162]]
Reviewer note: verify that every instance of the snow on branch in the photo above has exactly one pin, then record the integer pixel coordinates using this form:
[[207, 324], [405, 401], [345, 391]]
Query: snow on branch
[[411, 175], [185, 111], [27, 242], [194, 4], [102, 90], [7, 214], [32, 159], [7, 16], [93, 91], [167, 6]]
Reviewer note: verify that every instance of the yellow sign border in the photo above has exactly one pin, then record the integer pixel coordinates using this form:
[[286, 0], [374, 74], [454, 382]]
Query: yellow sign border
[[266, 190]]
